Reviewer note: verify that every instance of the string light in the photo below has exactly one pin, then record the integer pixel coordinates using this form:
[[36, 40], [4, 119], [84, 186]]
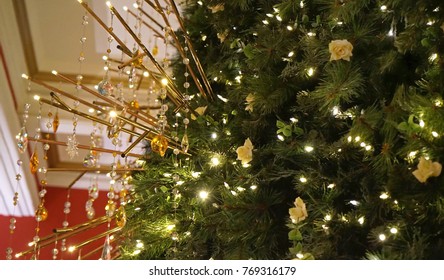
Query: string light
[[421, 123], [303, 179], [384, 196], [308, 149], [433, 57], [265, 22], [361, 220], [383, 8], [280, 137], [435, 134], [382, 237], [394, 230], [170, 227], [253, 187], [310, 71], [327, 217], [289, 28], [203, 195], [331, 186], [215, 161]]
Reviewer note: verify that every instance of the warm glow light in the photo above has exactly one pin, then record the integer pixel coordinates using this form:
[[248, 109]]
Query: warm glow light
[[137, 209], [112, 114], [222, 98], [91, 110], [289, 28], [384, 196], [203, 194], [382, 237], [195, 174], [310, 71], [179, 183], [136, 252], [71, 249], [294, 120], [433, 57], [363, 144], [438, 102], [299, 255], [278, 17], [139, 245], [327, 217], [361, 220], [308, 149], [30, 244], [253, 187], [421, 123], [164, 81], [146, 74], [331, 186], [349, 139], [354, 202], [214, 135], [200, 3], [290, 54], [357, 138], [303, 179], [311, 34], [105, 57], [280, 137], [54, 72], [24, 76], [36, 97], [215, 161], [125, 8], [108, 4], [368, 148], [383, 8], [265, 22], [394, 230], [170, 227], [269, 15], [435, 134]]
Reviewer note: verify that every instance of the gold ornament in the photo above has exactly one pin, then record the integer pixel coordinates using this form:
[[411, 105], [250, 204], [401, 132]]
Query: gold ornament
[[55, 122], [135, 104], [34, 162], [159, 144], [155, 50], [41, 214], [121, 217]]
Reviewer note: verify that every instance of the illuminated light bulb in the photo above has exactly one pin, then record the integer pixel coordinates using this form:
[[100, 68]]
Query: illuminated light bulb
[[354, 202], [233, 193], [105, 68], [363, 144], [368, 148], [112, 114], [433, 57], [349, 139], [311, 34], [303, 179], [344, 219], [310, 71], [301, 4], [71, 249], [308, 149], [96, 87], [108, 4], [430, 22], [289, 28], [203, 194], [265, 22], [204, 37], [327, 217], [245, 165], [394, 230], [167, 175], [421, 123], [105, 57], [335, 111], [112, 182], [438, 102], [361, 220], [139, 245], [340, 23], [179, 183], [395, 202], [226, 185], [435, 134], [128, 72], [146, 74], [383, 8], [200, 3], [339, 150], [382, 237], [331, 186], [80, 1], [136, 252], [238, 79], [325, 227], [290, 54], [294, 120], [253, 187], [276, 10], [222, 98], [91, 110], [195, 174], [280, 137], [215, 161], [125, 8], [30, 244], [412, 154], [299, 255], [137, 209], [390, 33], [214, 135], [384, 196], [278, 17], [240, 189], [164, 81], [36, 97], [170, 227], [357, 138], [24, 76], [111, 237], [54, 72], [269, 15]]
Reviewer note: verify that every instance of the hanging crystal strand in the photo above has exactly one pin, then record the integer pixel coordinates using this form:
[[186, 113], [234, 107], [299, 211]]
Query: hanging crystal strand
[[105, 87], [15, 200], [93, 194], [185, 142], [72, 148], [65, 224], [22, 136]]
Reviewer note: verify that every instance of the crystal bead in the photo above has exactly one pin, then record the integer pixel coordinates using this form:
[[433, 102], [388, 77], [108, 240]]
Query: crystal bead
[[67, 204], [106, 252], [19, 162], [176, 151], [42, 193], [18, 177], [65, 224], [22, 140], [13, 220], [185, 143], [36, 238], [159, 144], [11, 227], [186, 74], [176, 177], [164, 107], [90, 214], [66, 210], [9, 250], [34, 162], [186, 85], [46, 147], [186, 61], [186, 120], [110, 195], [90, 160]]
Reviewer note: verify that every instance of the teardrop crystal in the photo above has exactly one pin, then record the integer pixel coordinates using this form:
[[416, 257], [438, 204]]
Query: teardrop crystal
[[185, 143], [22, 140], [159, 144], [105, 87], [41, 214], [121, 217], [55, 123], [106, 252]]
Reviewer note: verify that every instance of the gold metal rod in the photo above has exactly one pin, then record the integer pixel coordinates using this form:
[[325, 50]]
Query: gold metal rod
[[147, 24], [86, 169], [193, 51], [178, 96], [99, 220], [124, 64], [97, 237], [51, 238], [135, 142], [180, 49], [83, 147], [110, 101], [75, 180], [108, 29]]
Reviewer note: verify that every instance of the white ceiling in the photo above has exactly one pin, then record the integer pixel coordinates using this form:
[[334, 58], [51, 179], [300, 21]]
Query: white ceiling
[[38, 37]]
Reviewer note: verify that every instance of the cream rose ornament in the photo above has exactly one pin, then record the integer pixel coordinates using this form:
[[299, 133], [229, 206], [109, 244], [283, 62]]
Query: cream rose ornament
[[245, 152], [298, 213], [250, 100], [200, 111], [340, 49], [426, 169]]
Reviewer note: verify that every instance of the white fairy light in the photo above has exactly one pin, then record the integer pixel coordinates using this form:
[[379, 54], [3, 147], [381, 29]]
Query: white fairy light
[[303, 180], [290, 54], [433, 57], [331, 186], [310, 71], [215, 161], [203, 194], [383, 8], [361, 220], [289, 28], [308, 149], [394, 230], [265, 22], [280, 137], [384, 196], [421, 123], [327, 217], [382, 237], [253, 187], [435, 134]]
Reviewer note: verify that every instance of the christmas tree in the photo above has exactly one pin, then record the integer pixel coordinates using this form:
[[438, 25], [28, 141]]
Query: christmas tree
[[324, 140]]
